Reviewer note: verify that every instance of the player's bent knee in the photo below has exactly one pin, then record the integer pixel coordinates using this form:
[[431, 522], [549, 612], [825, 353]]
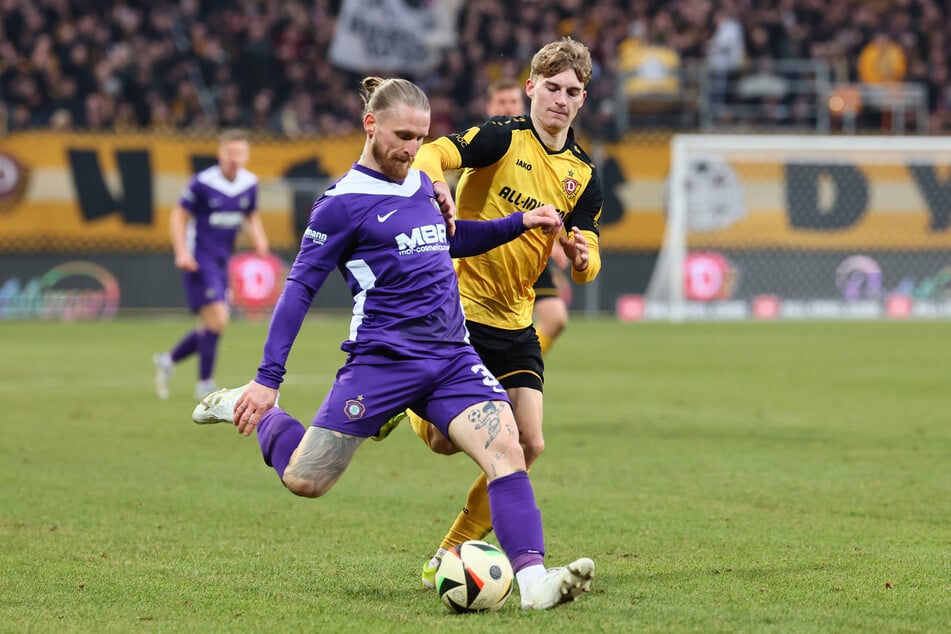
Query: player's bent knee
[[302, 488], [533, 448], [306, 487]]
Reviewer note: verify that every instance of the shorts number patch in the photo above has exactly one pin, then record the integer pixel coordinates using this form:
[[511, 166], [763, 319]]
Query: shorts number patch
[[488, 379]]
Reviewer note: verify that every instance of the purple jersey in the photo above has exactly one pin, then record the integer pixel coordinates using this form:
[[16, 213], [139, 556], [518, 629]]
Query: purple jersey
[[218, 208], [389, 241]]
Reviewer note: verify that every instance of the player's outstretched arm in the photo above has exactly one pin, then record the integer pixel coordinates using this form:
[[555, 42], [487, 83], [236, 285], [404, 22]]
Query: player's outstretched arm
[[545, 217]]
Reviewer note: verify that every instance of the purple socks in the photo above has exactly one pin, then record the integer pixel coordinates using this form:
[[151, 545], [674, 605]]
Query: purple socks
[[279, 433], [516, 520], [207, 354], [187, 346]]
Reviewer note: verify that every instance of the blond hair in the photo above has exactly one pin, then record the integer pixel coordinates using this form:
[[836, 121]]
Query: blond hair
[[559, 56], [234, 134]]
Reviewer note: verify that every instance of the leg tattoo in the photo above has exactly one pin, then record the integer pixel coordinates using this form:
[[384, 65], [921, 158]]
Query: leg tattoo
[[490, 418], [319, 461]]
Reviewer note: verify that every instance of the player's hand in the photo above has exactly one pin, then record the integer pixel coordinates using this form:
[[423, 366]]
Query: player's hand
[[186, 262], [576, 248], [253, 403], [446, 205], [545, 217]]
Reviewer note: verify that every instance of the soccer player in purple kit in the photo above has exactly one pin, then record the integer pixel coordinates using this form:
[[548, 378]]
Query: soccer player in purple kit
[[216, 204], [382, 227]]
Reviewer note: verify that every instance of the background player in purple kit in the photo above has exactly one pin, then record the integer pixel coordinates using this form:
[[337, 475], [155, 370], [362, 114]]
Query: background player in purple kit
[[217, 203], [381, 226]]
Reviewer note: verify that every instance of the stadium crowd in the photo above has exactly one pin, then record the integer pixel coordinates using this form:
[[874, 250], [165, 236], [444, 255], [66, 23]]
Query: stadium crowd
[[160, 65]]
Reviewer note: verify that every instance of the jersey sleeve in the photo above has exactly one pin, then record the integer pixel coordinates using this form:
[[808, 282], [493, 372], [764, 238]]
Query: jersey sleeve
[[473, 237], [479, 146], [326, 240], [586, 215], [253, 194], [329, 234], [190, 195]]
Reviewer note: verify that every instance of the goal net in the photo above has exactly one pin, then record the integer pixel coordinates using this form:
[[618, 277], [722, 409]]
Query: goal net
[[805, 227]]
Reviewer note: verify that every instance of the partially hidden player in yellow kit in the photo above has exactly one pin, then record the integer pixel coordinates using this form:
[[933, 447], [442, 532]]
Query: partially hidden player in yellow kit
[[513, 164]]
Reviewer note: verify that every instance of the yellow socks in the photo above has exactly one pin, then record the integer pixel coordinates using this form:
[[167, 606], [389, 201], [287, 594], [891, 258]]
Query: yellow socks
[[475, 520], [545, 341]]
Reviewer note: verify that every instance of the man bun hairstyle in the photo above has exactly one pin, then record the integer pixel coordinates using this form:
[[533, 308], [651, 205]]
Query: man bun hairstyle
[[381, 94], [559, 56]]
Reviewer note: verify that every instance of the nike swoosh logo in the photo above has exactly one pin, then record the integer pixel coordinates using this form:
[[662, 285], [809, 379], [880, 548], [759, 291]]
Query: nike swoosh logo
[[383, 217]]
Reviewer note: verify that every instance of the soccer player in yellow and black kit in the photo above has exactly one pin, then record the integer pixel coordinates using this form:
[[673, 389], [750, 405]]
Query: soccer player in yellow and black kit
[[506, 98], [512, 164]]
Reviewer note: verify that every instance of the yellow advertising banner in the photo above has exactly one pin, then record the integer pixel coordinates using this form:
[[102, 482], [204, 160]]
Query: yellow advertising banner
[[86, 193], [62, 192]]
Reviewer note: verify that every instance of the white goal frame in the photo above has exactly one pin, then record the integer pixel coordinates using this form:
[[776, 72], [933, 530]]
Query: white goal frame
[[687, 147]]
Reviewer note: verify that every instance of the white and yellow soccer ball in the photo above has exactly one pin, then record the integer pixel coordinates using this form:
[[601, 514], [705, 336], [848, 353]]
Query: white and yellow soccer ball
[[474, 576]]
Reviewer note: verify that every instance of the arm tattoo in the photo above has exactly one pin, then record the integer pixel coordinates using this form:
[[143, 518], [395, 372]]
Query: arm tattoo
[[322, 457], [490, 418]]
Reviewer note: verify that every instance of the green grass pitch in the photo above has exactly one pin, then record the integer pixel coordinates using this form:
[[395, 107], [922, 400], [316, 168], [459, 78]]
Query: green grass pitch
[[783, 477]]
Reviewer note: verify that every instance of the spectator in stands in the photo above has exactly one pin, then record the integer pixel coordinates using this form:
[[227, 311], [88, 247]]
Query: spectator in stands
[[882, 60], [726, 51], [147, 49], [651, 66]]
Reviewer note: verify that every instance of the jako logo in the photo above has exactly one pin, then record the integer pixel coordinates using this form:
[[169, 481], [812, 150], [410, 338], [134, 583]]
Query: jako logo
[[422, 236]]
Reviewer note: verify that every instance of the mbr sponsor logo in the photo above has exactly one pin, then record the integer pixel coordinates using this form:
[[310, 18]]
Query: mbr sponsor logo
[[424, 238], [226, 219]]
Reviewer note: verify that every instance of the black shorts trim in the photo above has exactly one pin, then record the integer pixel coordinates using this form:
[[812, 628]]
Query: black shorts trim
[[513, 356]]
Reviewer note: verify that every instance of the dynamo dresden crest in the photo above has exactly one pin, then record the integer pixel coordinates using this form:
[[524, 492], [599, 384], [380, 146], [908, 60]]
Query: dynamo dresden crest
[[571, 186]]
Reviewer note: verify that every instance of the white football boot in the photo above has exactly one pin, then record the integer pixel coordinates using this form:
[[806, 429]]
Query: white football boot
[[559, 585], [218, 407]]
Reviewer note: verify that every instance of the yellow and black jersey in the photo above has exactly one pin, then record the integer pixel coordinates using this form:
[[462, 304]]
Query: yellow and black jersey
[[507, 168]]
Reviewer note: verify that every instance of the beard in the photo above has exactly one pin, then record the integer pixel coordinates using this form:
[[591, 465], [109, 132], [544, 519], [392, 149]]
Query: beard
[[392, 168]]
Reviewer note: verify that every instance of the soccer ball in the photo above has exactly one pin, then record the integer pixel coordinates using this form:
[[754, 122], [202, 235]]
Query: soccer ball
[[474, 576]]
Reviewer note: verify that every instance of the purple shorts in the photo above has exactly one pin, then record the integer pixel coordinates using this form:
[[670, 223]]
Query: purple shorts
[[370, 389], [206, 285]]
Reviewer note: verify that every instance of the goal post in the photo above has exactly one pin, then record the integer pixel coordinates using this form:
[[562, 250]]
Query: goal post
[[805, 227]]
